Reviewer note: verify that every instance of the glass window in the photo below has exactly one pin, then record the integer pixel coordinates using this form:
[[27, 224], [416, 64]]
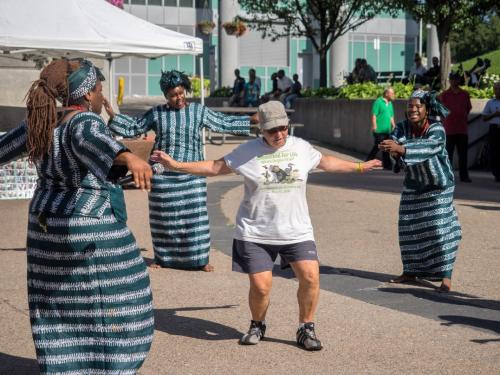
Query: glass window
[[170, 3], [203, 4], [154, 2], [138, 2], [186, 3]]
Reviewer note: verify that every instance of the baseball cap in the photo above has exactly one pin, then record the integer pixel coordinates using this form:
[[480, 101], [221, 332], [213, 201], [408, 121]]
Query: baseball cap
[[272, 115]]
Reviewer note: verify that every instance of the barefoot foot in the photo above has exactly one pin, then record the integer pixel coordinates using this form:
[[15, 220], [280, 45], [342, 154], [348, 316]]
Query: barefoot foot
[[403, 279], [208, 268], [445, 285], [154, 265]]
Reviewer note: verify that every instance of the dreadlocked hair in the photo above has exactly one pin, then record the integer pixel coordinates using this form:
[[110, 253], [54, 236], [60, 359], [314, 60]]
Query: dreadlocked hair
[[41, 106]]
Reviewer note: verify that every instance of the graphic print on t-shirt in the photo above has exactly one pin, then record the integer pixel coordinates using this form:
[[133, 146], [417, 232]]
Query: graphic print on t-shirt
[[279, 173]]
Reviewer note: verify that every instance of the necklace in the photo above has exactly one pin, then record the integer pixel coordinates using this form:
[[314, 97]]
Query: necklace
[[77, 108]]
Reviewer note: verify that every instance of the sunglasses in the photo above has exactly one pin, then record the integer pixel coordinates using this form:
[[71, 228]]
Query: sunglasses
[[277, 129]]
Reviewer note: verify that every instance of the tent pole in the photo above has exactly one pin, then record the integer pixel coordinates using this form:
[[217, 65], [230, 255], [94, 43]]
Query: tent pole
[[202, 95], [110, 77]]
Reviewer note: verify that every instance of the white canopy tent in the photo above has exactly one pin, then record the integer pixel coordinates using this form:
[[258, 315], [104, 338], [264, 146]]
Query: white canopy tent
[[91, 28]]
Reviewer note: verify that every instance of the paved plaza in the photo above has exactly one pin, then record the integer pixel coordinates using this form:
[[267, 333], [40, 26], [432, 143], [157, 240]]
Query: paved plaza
[[367, 325]]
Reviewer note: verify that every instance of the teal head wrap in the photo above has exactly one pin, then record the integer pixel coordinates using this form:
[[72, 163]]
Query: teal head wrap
[[83, 80], [431, 101], [174, 78]]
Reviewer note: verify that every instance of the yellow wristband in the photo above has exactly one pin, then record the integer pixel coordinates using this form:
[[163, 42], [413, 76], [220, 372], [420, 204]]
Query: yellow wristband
[[359, 168]]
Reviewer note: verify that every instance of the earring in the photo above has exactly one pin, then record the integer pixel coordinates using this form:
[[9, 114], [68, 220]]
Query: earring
[[89, 106]]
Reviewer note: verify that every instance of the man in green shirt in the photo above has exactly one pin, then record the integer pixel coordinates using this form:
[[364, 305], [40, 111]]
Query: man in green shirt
[[382, 124]]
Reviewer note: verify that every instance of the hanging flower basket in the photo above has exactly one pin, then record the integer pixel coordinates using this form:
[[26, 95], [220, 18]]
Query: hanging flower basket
[[236, 28], [206, 27], [116, 3]]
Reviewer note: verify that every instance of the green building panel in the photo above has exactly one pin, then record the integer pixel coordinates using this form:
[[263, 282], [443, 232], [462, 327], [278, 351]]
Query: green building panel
[[154, 85], [186, 64], [372, 56], [170, 62], [155, 66], [398, 57], [385, 57]]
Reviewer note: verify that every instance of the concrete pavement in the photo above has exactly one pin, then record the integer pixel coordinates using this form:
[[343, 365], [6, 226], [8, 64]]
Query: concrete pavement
[[367, 325]]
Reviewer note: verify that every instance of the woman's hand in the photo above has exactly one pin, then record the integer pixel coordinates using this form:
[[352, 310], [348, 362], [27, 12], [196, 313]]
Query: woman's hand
[[254, 119], [164, 158], [371, 165], [141, 171], [392, 147], [108, 108]]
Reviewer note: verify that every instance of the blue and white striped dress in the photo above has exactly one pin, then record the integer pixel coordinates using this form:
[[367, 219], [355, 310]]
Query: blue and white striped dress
[[177, 202], [429, 231], [88, 288]]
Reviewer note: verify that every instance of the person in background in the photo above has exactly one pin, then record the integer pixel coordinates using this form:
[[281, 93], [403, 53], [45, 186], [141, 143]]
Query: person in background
[[354, 76], [366, 72], [433, 75], [274, 90], [252, 90], [458, 103], [491, 115], [89, 295], [178, 202], [382, 124], [417, 71], [273, 217], [294, 93], [237, 97], [429, 231], [284, 86]]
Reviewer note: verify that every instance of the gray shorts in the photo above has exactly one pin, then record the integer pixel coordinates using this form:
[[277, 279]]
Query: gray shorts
[[251, 257]]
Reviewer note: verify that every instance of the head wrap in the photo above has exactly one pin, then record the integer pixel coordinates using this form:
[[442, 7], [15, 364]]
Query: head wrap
[[83, 80], [174, 78], [434, 107]]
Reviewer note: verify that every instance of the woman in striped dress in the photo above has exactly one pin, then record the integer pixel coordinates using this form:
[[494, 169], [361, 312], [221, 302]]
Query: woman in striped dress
[[88, 288], [177, 203], [429, 231]]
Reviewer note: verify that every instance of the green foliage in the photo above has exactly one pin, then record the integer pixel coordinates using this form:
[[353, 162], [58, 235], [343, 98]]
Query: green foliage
[[196, 86], [486, 93], [361, 91], [322, 92], [370, 90], [321, 21], [476, 40], [493, 56], [223, 92]]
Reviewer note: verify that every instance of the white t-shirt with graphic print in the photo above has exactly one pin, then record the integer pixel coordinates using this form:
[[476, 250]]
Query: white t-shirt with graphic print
[[274, 208]]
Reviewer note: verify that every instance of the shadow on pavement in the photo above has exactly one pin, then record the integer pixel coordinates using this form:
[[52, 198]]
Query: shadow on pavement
[[453, 298], [481, 207], [167, 320], [491, 325], [328, 270], [13, 365], [482, 189], [16, 249]]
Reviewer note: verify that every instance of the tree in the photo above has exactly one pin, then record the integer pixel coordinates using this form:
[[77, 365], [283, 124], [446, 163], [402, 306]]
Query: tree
[[473, 41], [448, 16], [321, 21]]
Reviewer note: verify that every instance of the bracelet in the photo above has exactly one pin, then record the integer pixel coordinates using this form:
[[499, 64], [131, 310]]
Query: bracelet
[[359, 168]]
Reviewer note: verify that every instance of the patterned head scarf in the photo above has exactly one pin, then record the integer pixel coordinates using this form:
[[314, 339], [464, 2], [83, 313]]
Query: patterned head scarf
[[83, 80], [434, 106], [174, 78]]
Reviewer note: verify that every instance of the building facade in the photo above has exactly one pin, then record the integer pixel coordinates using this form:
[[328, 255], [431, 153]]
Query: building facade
[[388, 44]]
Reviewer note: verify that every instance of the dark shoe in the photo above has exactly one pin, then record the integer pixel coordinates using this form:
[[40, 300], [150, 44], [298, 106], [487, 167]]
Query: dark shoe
[[466, 179], [255, 333], [306, 337]]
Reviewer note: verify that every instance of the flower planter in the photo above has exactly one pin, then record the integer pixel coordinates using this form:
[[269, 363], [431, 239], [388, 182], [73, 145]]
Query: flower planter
[[206, 27]]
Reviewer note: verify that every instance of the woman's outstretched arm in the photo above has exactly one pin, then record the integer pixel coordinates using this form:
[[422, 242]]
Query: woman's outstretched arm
[[202, 168]]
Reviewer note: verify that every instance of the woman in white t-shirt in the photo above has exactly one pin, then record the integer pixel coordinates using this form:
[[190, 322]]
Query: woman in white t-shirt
[[273, 218]]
